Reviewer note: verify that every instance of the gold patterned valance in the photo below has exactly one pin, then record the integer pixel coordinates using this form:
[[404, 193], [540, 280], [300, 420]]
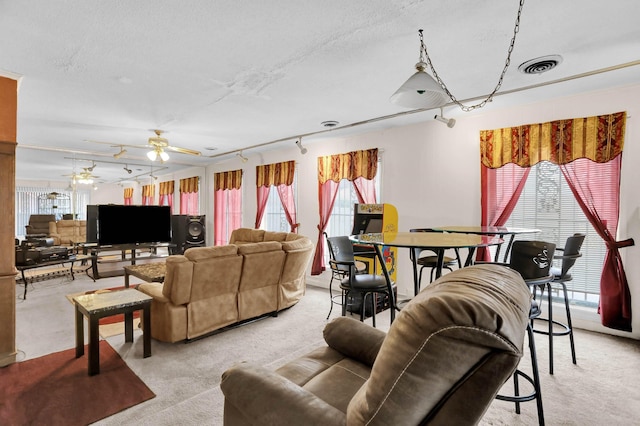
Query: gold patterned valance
[[128, 193], [166, 188], [350, 166], [598, 138], [275, 174], [228, 180], [148, 190], [189, 185]]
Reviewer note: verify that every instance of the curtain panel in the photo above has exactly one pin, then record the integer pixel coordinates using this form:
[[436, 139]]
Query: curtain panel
[[189, 185], [350, 166], [598, 138], [128, 196], [360, 168], [227, 180], [275, 174], [589, 153], [148, 193], [166, 191]]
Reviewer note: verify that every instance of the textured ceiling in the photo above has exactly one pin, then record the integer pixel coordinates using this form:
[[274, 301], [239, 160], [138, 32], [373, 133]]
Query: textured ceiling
[[229, 75]]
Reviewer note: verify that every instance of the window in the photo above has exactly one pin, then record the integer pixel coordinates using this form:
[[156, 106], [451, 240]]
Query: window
[[548, 204], [28, 202], [341, 221], [274, 218]]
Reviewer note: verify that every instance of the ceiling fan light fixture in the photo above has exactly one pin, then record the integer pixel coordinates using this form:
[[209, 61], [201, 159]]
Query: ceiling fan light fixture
[[152, 155], [163, 155]]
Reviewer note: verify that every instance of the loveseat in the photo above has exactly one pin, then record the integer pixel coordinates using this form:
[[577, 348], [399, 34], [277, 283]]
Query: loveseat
[[68, 232], [209, 288], [443, 361]]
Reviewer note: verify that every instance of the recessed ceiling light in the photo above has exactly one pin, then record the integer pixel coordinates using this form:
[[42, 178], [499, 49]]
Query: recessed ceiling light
[[329, 123], [540, 65]]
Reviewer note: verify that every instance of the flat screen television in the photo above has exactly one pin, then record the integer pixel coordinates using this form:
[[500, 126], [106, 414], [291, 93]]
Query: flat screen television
[[120, 224]]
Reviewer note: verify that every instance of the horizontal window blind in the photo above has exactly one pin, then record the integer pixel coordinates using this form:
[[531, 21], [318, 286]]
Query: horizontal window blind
[[548, 204]]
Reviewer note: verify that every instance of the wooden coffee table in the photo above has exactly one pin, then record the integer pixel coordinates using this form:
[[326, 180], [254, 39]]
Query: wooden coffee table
[[99, 305]]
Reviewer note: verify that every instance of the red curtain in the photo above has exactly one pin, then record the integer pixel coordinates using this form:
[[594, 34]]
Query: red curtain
[[365, 190], [262, 195], [128, 196], [596, 187], [501, 189], [589, 153], [189, 195], [327, 193], [166, 194], [288, 203], [227, 209], [148, 193]]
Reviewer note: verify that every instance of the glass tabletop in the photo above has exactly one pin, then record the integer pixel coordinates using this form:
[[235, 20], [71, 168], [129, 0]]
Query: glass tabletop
[[427, 239]]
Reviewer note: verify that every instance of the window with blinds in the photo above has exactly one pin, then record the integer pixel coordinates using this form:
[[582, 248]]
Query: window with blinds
[[28, 202], [548, 204]]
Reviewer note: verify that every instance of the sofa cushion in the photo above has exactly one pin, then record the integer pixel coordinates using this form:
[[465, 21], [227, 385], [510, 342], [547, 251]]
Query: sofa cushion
[[177, 280], [246, 235], [275, 236], [200, 254]]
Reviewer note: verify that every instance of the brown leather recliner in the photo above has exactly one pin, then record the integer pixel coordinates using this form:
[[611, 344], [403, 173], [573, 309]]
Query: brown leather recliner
[[442, 362]]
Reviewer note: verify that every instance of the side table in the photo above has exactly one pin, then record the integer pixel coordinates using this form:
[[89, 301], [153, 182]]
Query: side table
[[99, 305], [150, 272]]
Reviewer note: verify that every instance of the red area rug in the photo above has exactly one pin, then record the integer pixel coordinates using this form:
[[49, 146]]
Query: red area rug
[[56, 390]]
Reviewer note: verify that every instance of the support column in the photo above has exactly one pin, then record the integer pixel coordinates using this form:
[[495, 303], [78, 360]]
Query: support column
[[8, 124]]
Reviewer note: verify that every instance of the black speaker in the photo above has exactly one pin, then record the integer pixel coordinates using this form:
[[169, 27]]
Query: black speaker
[[186, 232]]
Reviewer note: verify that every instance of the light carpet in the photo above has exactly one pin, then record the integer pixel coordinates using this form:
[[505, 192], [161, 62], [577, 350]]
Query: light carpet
[[601, 389]]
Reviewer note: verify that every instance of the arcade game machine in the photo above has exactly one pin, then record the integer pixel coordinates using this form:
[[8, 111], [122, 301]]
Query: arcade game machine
[[373, 219]]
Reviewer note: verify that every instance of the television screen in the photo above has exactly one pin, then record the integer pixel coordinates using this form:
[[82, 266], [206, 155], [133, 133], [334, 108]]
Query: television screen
[[119, 224]]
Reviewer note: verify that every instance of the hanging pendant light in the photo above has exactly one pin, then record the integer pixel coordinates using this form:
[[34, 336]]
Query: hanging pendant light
[[422, 91]]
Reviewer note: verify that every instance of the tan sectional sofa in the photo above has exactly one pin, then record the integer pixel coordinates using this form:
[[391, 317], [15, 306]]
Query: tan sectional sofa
[[68, 232], [209, 288]]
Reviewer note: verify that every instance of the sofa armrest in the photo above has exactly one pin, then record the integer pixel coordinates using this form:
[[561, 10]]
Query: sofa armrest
[[268, 398], [354, 339]]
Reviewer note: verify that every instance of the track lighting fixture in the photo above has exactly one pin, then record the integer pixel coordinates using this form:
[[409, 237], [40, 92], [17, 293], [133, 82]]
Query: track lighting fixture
[[93, 166], [303, 150], [127, 169], [121, 153], [242, 157], [450, 122]]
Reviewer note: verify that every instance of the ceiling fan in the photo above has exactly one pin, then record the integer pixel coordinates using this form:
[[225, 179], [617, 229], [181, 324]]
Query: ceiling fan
[[158, 144], [85, 176]]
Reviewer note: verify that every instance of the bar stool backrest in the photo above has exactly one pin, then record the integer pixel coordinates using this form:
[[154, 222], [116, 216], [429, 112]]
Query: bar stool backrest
[[532, 258]]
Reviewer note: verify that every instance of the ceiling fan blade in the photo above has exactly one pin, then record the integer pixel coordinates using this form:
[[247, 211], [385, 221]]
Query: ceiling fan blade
[[183, 150]]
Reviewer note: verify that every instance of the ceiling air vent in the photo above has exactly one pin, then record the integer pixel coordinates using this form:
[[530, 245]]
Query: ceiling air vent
[[540, 65]]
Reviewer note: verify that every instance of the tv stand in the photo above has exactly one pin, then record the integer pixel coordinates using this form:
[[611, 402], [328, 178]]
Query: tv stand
[[121, 253]]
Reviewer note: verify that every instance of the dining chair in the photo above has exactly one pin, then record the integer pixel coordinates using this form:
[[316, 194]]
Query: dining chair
[[430, 260], [341, 250], [561, 275]]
